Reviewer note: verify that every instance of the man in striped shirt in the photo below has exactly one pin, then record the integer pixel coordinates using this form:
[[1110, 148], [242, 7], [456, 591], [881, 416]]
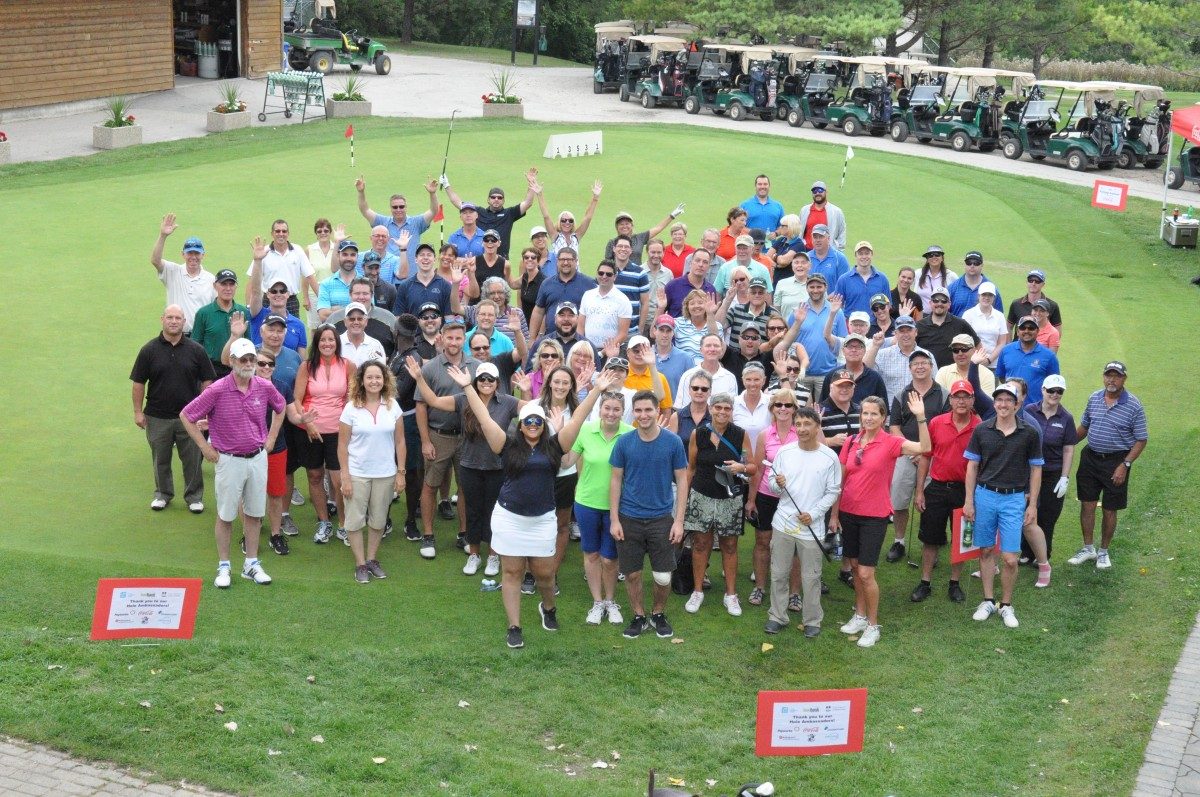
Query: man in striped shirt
[[1114, 424]]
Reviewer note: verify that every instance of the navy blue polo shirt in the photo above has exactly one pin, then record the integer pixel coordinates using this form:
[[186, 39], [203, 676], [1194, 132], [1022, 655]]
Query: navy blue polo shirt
[[554, 292], [1057, 431], [412, 293]]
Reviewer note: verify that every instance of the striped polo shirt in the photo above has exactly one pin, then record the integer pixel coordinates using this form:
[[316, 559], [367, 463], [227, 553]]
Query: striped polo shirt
[[1114, 429]]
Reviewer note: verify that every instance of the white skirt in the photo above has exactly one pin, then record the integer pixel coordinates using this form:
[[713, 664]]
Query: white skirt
[[521, 535]]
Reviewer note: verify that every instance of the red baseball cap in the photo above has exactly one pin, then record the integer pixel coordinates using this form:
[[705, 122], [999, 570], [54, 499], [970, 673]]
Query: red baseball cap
[[962, 386]]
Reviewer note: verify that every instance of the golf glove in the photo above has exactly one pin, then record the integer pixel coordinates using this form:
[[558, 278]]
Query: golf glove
[[444, 181], [678, 211], [1060, 489]]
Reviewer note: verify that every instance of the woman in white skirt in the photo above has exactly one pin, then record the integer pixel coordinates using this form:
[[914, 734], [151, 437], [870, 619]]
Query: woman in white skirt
[[524, 523]]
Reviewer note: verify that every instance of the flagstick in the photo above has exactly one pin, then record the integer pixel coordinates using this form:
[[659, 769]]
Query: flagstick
[[351, 152], [846, 164]]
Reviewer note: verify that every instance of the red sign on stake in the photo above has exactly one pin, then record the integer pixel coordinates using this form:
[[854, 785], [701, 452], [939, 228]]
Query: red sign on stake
[[810, 722], [957, 552], [145, 607], [1110, 195]]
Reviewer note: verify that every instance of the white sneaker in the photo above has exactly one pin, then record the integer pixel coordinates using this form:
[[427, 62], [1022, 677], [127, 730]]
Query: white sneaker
[[255, 573], [855, 624], [614, 613], [693, 602], [869, 637], [975, 573], [595, 614], [492, 567], [343, 536], [158, 504], [985, 610], [1009, 616], [575, 530], [472, 565], [733, 605], [1086, 554], [1103, 560], [196, 507], [297, 498], [222, 579]]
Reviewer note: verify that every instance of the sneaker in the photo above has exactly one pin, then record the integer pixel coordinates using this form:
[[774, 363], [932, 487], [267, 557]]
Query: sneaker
[[706, 584], [254, 572], [956, 594], [575, 535], [446, 510], [794, 603], [756, 597], [985, 610], [856, 624], [636, 626], [196, 507], [812, 631], [222, 579], [846, 577], [1009, 616], [549, 617], [362, 575], [324, 532], [411, 532], [1103, 560], [376, 570], [922, 592], [297, 498], [1086, 554], [460, 542], [1043, 579], [515, 640], [595, 614], [279, 544], [158, 504], [288, 526], [614, 613], [387, 529], [693, 602], [428, 551], [620, 576], [492, 567], [528, 585], [242, 545], [1025, 560], [733, 606], [661, 626], [343, 536], [869, 637], [472, 565], [896, 552], [773, 627], [824, 587]]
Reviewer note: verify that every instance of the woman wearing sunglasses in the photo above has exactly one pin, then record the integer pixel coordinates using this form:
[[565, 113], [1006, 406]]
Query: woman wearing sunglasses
[[764, 497], [549, 356], [524, 522], [530, 278], [868, 459], [684, 421], [566, 232]]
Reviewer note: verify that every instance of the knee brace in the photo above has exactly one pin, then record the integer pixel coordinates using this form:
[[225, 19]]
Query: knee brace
[[662, 579]]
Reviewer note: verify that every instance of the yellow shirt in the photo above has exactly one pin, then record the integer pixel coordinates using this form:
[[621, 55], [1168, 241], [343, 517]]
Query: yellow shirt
[[641, 381]]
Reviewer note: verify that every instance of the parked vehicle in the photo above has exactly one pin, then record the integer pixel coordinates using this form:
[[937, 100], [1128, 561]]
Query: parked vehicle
[[807, 89], [1186, 122], [973, 116], [611, 44], [1083, 142], [1143, 112], [318, 44], [661, 80], [640, 58], [743, 84], [921, 102], [867, 103]]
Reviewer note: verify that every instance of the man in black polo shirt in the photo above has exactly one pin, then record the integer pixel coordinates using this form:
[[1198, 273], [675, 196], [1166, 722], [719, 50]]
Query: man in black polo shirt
[[566, 332], [839, 420], [1004, 476], [493, 215], [1024, 306], [936, 330], [747, 351], [408, 337], [176, 370], [867, 381]]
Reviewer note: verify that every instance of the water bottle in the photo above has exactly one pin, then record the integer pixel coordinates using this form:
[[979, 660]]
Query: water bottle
[[968, 533], [1190, 211]]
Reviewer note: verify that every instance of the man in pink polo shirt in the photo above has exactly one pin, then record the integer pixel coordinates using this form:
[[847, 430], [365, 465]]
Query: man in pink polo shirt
[[236, 409]]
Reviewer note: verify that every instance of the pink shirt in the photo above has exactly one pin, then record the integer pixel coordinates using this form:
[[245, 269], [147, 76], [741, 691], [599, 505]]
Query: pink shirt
[[771, 444], [326, 393], [1049, 336], [867, 486], [237, 421]]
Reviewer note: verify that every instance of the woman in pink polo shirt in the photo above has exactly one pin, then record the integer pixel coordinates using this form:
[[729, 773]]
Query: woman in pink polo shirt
[[322, 385], [868, 459]]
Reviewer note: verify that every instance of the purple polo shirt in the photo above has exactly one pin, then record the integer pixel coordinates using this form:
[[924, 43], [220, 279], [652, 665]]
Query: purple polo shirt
[[237, 422], [678, 289]]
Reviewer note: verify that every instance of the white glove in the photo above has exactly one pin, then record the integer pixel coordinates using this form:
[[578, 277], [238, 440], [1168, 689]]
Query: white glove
[[1060, 489], [678, 211], [444, 181]]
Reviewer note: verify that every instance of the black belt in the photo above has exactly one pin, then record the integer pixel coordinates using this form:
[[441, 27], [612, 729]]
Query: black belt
[[444, 433], [247, 455], [1110, 454], [939, 481], [1004, 490]]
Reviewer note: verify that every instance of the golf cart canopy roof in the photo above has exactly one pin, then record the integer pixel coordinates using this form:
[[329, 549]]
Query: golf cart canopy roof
[[650, 40], [1072, 85], [677, 29], [622, 27], [751, 53], [979, 77], [1143, 93]]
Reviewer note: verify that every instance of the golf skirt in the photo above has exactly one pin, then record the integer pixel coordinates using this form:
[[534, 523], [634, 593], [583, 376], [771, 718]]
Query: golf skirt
[[523, 535]]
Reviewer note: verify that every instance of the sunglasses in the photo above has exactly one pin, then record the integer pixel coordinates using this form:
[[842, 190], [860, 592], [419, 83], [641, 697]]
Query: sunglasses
[[486, 378], [939, 300], [484, 347], [279, 232], [781, 405], [1034, 279], [529, 257], [740, 279], [878, 306], [275, 292], [791, 370], [548, 355], [777, 329], [959, 350], [818, 190], [1024, 327], [700, 388], [269, 364], [858, 455], [606, 274], [491, 240], [533, 420], [1058, 391], [496, 196], [399, 207], [974, 262], [566, 221], [428, 317]]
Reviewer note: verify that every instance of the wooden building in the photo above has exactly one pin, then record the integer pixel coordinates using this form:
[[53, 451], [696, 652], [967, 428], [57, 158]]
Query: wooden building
[[54, 51]]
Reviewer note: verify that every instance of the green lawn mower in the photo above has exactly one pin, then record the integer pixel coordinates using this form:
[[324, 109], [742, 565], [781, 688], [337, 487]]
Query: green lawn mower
[[316, 43]]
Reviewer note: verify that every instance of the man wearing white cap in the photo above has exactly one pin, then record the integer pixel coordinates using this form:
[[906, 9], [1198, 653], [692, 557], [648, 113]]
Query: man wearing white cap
[[357, 346], [822, 211]]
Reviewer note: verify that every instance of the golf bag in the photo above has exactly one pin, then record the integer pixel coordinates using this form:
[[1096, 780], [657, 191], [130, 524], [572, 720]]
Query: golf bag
[[758, 85]]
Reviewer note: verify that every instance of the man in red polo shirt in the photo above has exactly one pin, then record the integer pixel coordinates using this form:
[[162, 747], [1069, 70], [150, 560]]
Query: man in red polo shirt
[[946, 468]]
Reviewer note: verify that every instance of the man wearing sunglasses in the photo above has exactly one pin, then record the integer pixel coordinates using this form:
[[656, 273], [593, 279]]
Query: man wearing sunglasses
[[334, 292], [278, 293], [637, 240], [399, 219], [824, 259], [493, 215], [605, 314], [964, 291], [1028, 359], [822, 212], [1035, 282], [282, 260], [936, 329]]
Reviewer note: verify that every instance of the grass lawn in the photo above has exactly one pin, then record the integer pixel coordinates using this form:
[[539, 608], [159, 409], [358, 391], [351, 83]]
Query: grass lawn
[[1063, 705], [486, 54]]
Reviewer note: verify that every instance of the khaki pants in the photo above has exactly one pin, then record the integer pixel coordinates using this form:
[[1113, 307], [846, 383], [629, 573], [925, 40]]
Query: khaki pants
[[783, 548]]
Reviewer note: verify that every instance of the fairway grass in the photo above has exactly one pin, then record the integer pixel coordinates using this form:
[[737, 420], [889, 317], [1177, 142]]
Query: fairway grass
[[1062, 705]]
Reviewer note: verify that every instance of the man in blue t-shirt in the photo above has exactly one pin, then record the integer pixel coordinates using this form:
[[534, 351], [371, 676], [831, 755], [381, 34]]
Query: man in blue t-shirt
[[762, 212], [645, 518], [400, 220]]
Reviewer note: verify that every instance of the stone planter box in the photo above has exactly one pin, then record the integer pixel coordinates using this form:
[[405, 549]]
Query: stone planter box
[[341, 109], [5, 152], [224, 122], [116, 137], [510, 109]]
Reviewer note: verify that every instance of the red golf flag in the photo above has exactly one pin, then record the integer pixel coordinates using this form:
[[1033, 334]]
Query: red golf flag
[[439, 215], [349, 131]]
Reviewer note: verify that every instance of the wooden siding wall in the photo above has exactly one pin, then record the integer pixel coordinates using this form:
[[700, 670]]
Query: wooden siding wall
[[262, 29], [65, 50]]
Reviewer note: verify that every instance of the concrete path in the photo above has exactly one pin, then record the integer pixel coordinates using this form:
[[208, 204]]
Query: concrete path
[[1172, 764]]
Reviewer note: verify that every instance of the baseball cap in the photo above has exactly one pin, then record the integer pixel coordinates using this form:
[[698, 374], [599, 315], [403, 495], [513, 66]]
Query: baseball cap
[[371, 257], [1041, 304], [347, 244], [240, 348], [424, 246], [536, 231], [821, 229], [569, 306], [934, 250], [624, 214], [1055, 380], [841, 375], [664, 320], [532, 408], [819, 184], [434, 306], [275, 319], [939, 291], [1007, 387], [193, 245], [497, 191], [759, 235], [225, 275], [1027, 319], [863, 245], [905, 321], [860, 315], [962, 386], [359, 306], [758, 282], [1115, 365], [454, 321], [1036, 273], [744, 240], [880, 298], [487, 369], [755, 328], [987, 287], [637, 340], [491, 234], [467, 206], [963, 340], [816, 276], [279, 282], [973, 255], [855, 338]]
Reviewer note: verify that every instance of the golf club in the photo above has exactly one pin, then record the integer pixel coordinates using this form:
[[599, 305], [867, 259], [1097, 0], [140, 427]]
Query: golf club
[[442, 180], [820, 543]]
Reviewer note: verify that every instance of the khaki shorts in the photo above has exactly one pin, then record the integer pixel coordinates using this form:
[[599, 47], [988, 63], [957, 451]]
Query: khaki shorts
[[241, 483], [369, 502], [445, 451], [904, 483]]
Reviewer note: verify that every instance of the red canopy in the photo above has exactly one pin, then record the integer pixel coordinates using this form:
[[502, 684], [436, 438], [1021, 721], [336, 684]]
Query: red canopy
[[1186, 122]]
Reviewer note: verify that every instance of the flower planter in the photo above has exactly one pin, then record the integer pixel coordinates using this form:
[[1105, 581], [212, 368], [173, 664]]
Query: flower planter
[[510, 109], [224, 122], [340, 109], [116, 137], [5, 151]]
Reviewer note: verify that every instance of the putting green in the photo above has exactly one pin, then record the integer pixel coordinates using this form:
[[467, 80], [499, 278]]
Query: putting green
[[1064, 704]]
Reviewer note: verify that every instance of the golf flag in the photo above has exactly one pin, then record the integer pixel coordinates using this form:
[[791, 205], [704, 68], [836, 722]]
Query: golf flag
[[349, 131], [350, 135], [439, 215], [846, 163]]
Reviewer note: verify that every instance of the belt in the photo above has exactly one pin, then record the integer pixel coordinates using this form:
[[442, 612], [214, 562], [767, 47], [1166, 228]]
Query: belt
[[1004, 490], [444, 433], [247, 455], [939, 481], [407, 413], [1110, 454]]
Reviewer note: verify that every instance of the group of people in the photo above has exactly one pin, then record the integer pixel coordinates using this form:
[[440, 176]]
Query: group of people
[[761, 378]]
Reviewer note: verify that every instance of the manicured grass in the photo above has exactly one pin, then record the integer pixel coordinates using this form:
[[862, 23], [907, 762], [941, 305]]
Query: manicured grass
[[1063, 705], [486, 54]]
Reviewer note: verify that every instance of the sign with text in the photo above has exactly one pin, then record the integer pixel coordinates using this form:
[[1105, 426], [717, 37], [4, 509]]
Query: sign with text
[[145, 607], [1110, 195], [526, 13], [574, 145], [810, 722], [957, 552]]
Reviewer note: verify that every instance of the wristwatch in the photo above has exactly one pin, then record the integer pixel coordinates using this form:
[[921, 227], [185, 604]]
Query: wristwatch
[[1127, 464]]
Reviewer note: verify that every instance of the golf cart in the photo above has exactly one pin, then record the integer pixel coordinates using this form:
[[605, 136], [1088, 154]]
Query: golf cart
[[920, 103], [744, 84], [653, 71], [1145, 121], [610, 54], [1083, 142], [1186, 122], [867, 103], [807, 88], [973, 118], [316, 43]]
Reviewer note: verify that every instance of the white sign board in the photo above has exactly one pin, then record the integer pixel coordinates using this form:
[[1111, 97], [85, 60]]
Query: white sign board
[[526, 13], [574, 145]]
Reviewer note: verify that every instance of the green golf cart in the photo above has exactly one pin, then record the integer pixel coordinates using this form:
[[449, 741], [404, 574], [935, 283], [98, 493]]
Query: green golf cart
[[643, 67], [744, 84], [1083, 142], [867, 104], [1143, 114], [921, 102], [808, 86], [973, 118], [611, 42], [315, 43], [1187, 170]]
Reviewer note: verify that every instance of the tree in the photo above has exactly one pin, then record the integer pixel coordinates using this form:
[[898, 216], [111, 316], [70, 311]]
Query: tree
[[654, 11], [1163, 32]]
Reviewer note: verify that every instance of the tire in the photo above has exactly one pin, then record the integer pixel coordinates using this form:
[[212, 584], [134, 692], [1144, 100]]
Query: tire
[[782, 110], [1126, 159], [321, 61], [383, 64], [851, 126], [820, 125], [1076, 161], [623, 94], [287, 114], [767, 116], [648, 100], [960, 141], [899, 131], [795, 117], [737, 111], [597, 88], [262, 117], [1013, 148], [1152, 163], [692, 104], [1174, 177]]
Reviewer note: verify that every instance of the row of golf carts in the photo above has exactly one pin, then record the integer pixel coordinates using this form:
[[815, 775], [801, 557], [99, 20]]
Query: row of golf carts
[[1105, 125]]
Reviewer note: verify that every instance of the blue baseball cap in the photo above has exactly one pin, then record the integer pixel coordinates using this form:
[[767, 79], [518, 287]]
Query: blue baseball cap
[[347, 244], [193, 245]]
